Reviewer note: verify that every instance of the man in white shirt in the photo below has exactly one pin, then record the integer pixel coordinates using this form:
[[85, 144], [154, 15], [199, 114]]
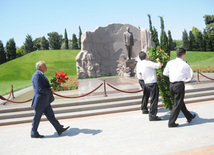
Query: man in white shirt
[[178, 71], [147, 75]]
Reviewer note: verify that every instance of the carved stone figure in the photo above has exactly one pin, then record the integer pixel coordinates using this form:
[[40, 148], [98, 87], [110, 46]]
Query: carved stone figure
[[129, 41]]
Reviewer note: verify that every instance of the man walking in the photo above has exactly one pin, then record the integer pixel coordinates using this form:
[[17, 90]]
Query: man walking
[[146, 73], [42, 97], [178, 71]]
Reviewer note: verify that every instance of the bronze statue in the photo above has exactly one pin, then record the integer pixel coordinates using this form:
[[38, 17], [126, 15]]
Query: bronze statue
[[129, 41]]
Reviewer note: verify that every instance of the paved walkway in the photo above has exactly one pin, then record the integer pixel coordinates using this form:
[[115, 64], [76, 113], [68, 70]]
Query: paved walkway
[[121, 133], [128, 133]]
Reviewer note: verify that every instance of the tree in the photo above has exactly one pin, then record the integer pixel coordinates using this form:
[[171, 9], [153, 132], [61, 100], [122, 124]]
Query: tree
[[2, 53], [74, 42], [154, 32], [156, 40], [178, 44], [20, 51], [44, 44], [11, 49], [210, 44], [170, 41], [28, 44], [37, 44], [79, 41], [195, 32], [191, 41], [66, 40], [185, 40], [199, 40], [163, 38], [55, 40], [205, 40], [209, 21]]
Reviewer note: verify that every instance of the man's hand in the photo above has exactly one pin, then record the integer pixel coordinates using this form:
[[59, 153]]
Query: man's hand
[[52, 90], [158, 61], [140, 73]]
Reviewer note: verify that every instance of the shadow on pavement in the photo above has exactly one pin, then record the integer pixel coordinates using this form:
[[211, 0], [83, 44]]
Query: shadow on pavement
[[73, 132], [197, 120], [76, 131]]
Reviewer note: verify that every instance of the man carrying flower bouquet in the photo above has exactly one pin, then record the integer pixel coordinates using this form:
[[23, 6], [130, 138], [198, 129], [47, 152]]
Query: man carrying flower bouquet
[[42, 97], [146, 72], [178, 71]]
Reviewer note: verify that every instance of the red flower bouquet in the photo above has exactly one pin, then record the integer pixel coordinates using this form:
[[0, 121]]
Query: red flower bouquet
[[58, 80]]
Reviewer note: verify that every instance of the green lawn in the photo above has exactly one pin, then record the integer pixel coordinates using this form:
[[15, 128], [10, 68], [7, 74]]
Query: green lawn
[[18, 72], [198, 59]]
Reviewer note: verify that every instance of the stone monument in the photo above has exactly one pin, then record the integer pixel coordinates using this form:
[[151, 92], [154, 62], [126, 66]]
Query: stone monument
[[103, 52]]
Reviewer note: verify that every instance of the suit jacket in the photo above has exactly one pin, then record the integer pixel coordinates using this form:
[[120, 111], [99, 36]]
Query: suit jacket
[[43, 95], [128, 38]]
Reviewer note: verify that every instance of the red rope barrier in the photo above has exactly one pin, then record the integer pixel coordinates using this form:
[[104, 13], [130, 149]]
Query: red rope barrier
[[10, 93], [123, 90], [206, 76], [80, 95], [1, 97]]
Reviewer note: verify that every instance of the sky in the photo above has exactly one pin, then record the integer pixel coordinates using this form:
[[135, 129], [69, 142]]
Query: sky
[[39, 17]]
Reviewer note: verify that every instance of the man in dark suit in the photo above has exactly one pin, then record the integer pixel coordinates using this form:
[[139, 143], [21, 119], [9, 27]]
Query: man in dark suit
[[42, 97]]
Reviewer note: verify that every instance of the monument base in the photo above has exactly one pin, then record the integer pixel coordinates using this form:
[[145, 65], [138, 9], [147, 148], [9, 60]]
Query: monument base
[[131, 63]]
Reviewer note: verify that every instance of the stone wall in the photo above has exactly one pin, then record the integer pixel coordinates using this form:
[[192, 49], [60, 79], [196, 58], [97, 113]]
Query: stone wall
[[103, 51]]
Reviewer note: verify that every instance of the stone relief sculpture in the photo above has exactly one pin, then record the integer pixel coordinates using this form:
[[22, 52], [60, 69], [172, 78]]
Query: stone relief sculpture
[[103, 52]]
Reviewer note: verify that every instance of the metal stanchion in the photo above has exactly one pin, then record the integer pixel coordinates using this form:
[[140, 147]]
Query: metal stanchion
[[105, 95], [198, 75]]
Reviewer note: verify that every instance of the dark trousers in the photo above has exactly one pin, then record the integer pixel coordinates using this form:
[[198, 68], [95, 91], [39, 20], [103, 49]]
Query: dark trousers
[[143, 104], [178, 91], [48, 111], [150, 90]]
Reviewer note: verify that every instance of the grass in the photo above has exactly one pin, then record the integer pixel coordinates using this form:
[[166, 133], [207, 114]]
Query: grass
[[18, 72], [199, 60]]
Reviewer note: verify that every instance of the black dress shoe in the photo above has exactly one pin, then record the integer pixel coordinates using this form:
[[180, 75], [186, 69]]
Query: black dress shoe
[[174, 125], [37, 136], [155, 119], [62, 130], [145, 112], [191, 118]]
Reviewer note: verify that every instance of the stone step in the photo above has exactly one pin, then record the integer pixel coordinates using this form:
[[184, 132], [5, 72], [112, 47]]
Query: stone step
[[90, 106], [112, 98], [101, 111]]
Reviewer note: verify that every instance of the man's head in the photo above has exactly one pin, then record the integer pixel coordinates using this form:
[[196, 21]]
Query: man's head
[[142, 55], [181, 53], [41, 66], [128, 29]]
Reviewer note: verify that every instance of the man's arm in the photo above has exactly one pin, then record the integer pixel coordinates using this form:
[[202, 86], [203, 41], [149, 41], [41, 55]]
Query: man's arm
[[166, 70]]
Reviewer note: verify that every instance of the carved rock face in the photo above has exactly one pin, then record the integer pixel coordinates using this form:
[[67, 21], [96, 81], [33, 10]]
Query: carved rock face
[[103, 50]]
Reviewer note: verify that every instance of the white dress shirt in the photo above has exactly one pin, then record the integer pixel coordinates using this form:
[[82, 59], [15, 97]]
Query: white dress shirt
[[147, 70], [178, 70]]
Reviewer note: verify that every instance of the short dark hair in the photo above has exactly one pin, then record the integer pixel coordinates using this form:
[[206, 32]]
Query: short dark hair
[[180, 52], [142, 55]]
